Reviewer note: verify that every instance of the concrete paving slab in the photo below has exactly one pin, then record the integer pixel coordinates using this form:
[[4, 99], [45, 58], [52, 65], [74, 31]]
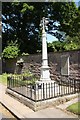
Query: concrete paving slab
[[65, 105], [51, 113], [12, 104]]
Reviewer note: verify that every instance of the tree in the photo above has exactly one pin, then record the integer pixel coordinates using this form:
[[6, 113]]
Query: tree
[[21, 22], [66, 14]]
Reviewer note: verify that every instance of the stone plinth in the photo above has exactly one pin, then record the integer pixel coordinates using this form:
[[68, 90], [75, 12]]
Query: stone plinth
[[45, 74]]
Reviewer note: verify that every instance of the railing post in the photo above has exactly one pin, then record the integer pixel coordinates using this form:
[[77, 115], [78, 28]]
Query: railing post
[[43, 92], [79, 86], [59, 88], [74, 87], [68, 86], [31, 90], [51, 89], [11, 82], [35, 92], [46, 90], [54, 89], [7, 82]]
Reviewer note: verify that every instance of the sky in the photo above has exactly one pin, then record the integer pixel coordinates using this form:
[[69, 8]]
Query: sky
[[51, 38], [77, 2]]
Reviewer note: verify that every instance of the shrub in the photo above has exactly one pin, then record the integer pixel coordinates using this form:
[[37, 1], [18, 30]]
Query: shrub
[[11, 51]]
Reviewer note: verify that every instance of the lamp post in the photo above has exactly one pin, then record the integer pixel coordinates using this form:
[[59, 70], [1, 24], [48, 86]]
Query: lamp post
[[45, 74]]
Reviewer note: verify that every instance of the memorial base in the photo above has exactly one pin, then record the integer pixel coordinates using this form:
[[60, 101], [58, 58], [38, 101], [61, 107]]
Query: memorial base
[[45, 74]]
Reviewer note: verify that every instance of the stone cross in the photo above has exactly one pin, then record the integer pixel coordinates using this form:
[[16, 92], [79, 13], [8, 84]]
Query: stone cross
[[45, 74]]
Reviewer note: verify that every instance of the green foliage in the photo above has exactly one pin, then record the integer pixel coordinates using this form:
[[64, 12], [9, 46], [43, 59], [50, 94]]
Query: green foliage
[[71, 46], [70, 43], [27, 73], [68, 16], [20, 17], [11, 51], [25, 54], [26, 7], [24, 18], [3, 78], [56, 46], [75, 108], [51, 47]]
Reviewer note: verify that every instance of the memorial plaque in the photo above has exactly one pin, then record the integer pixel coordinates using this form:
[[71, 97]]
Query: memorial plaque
[[65, 65]]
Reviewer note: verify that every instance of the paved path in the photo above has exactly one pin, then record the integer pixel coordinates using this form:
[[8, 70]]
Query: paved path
[[65, 105], [22, 111], [4, 113], [0, 116]]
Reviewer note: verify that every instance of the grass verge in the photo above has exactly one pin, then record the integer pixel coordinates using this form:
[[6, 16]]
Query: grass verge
[[74, 108], [3, 78]]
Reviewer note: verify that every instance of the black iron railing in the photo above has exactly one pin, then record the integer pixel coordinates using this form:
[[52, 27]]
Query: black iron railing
[[42, 91]]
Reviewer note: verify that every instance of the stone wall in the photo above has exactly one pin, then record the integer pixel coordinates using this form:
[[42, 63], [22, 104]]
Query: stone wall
[[33, 64]]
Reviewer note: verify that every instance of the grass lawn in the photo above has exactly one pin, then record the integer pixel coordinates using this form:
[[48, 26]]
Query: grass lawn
[[3, 79], [75, 108]]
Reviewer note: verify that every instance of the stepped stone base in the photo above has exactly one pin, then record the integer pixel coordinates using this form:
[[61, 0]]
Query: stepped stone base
[[41, 104]]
